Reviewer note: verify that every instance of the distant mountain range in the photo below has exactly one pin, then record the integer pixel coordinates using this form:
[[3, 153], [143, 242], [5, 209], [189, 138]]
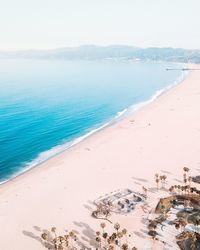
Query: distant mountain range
[[91, 52]]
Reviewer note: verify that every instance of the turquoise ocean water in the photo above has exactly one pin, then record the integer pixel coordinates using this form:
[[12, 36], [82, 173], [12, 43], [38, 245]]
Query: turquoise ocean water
[[47, 106]]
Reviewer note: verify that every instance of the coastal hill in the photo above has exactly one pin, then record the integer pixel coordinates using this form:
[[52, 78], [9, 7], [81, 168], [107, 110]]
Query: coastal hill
[[91, 52]]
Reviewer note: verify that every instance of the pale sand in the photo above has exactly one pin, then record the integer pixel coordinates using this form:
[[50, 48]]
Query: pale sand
[[162, 137]]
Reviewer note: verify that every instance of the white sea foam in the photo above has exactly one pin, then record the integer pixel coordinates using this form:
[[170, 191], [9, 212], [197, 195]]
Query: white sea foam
[[121, 113], [158, 93], [44, 156]]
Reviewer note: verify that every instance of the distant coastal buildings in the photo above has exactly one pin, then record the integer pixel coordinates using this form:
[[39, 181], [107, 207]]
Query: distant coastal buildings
[[183, 69]]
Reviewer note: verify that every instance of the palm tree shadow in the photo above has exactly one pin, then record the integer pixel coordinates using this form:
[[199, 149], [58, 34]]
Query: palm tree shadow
[[139, 234], [153, 190], [32, 235], [178, 180], [47, 245], [137, 183], [90, 206], [88, 234], [166, 172], [139, 179]]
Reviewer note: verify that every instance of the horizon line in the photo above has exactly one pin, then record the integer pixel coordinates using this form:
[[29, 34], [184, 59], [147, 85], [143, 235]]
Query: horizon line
[[94, 45]]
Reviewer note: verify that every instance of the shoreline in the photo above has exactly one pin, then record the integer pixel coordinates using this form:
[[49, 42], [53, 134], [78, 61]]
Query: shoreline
[[162, 137], [129, 111]]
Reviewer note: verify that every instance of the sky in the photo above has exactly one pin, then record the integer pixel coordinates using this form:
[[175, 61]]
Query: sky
[[46, 24]]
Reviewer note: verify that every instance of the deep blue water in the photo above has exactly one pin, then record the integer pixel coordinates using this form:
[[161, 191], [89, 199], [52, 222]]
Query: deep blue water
[[44, 105]]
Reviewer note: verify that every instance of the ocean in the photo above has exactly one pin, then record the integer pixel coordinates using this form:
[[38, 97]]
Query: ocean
[[46, 106]]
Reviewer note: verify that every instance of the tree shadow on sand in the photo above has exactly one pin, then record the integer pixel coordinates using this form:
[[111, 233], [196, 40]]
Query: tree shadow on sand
[[88, 233], [86, 238], [166, 172], [89, 206], [139, 234], [177, 180], [139, 179], [37, 237]]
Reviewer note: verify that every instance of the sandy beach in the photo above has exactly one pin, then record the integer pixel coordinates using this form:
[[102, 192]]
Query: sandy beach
[[162, 137]]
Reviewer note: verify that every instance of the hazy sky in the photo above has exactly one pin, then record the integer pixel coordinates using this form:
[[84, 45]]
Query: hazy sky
[[26, 24]]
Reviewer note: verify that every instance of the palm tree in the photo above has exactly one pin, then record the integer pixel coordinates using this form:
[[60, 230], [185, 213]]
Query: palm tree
[[171, 189], [157, 180], [53, 230], [153, 234], [164, 177], [185, 169], [190, 180], [117, 226], [72, 236], [44, 236], [124, 232], [185, 181], [175, 188], [184, 177], [124, 247], [103, 225], [98, 241]]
